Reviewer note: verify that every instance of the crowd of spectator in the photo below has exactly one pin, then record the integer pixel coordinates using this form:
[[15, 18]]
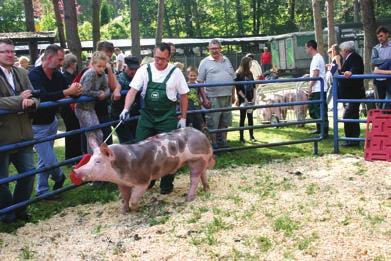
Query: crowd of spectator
[[156, 89]]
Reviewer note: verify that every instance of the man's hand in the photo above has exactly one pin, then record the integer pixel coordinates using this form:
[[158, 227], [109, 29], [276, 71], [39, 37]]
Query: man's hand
[[101, 95], [347, 74], [73, 90], [206, 103], [181, 123], [26, 94], [27, 103], [108, 67], [116, 94], [124, 115]]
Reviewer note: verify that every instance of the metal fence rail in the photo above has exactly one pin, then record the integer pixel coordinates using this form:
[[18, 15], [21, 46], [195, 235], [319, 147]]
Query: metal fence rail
[[336, 101], [315, 140]]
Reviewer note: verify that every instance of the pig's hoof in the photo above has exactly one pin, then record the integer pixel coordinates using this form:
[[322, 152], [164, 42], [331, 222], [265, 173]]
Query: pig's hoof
[[190, 198], [206, 188], [125, 210]]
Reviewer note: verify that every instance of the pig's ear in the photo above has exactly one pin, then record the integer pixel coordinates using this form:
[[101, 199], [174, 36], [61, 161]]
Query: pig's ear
[[105, 150]]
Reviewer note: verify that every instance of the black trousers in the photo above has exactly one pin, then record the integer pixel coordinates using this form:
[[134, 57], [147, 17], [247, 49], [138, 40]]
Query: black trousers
[[250, 119], [75, 144], [352, 111], [380, 91]]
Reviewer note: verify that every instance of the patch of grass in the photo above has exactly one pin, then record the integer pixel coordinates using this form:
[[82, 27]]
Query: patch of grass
[[237, 200], [27, 253], [379, 258], [360, 168], [375, 219], [158, 220], [97, 229], [311, 189], [305, 242], [288, 255], [286, 225], [264, 243]]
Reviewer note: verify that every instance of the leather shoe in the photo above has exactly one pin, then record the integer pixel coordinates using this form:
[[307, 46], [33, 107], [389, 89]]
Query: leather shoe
[[166, 191], [60, 183]]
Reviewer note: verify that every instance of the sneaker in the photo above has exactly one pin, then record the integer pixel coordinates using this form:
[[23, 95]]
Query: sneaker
[[242, 141], [60, 183], [165, 191], [252, 139]]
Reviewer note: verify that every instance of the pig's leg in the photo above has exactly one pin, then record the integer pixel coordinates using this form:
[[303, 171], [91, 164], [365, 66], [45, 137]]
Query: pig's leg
[[194, 180], [204, 180], [197, 167], [137, 192], [125, 194]]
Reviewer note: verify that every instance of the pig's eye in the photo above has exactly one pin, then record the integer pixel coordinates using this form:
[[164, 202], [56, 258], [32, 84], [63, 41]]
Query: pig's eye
[[97, 161]]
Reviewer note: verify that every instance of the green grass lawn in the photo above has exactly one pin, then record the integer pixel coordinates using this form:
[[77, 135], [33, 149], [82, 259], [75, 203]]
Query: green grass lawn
[[89, 194]]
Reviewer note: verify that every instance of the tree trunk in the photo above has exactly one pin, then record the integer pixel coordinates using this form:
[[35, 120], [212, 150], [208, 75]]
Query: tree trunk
[[135, 30], [369, 24], [167, 24], [330, 22], [29, 14], [356, 7], [71, 30], [197, 19], [254, 15], [159, 24], [318, 25], [239, 17], [188, 18], [59, 23], [95, 23], [291, 5], [226, 17]]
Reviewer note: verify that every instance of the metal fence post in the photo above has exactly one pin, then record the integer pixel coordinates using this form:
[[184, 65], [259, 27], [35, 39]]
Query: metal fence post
[[335, 114]]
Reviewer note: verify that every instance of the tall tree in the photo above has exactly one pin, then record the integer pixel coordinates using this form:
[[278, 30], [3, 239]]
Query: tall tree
[[167, 24], [291, 6], [197, 19], [71, 31], [159, 24], [318, 25], [188, 19], [95, 22], [369, 24], [356, 9], [239, 17], [134, 28], [29, 16], [330, 22], [59, 23]]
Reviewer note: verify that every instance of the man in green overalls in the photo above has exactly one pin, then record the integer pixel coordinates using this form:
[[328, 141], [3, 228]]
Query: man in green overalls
[[160, 83]]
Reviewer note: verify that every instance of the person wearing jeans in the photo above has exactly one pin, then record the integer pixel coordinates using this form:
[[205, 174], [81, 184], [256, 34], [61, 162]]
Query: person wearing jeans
[[15, 94]]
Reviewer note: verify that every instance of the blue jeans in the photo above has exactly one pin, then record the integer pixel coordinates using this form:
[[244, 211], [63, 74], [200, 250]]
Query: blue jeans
[[23, 160], [46, 156]]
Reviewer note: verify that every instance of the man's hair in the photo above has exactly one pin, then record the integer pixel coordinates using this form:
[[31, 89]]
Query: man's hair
[[312, 43], [52, 49], [164, 46], [6, 41], [99, 56], [116, 49], [349, 45], [191, 68], [382, 29], [214, 41], [105, 46], [69, 59]]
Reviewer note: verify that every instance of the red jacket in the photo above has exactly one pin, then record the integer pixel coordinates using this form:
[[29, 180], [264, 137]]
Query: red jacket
[[266, 58]]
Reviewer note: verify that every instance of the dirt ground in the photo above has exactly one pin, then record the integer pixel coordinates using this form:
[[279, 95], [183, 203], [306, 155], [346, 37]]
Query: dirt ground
[[325, 208]]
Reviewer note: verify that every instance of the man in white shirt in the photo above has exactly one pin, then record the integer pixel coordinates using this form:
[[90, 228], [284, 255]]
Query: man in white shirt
[[160, 83], [317, 69], [120, 61]]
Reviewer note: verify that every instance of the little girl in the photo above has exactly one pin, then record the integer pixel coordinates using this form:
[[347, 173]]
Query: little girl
[[94, 84]]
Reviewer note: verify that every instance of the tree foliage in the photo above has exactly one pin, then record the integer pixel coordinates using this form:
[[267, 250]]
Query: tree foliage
[[197, 18], [11, 16]]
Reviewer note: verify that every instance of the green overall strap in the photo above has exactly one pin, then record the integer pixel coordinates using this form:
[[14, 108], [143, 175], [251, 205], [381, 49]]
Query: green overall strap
[[149, 72], [169, 75]]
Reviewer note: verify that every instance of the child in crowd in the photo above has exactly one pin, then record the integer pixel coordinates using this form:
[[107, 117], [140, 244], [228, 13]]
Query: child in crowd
[[246, 95], [194, 120], [94, 84]]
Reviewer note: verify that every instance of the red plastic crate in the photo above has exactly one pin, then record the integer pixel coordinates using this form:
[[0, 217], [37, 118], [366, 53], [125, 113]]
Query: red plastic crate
[[378, 136]]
